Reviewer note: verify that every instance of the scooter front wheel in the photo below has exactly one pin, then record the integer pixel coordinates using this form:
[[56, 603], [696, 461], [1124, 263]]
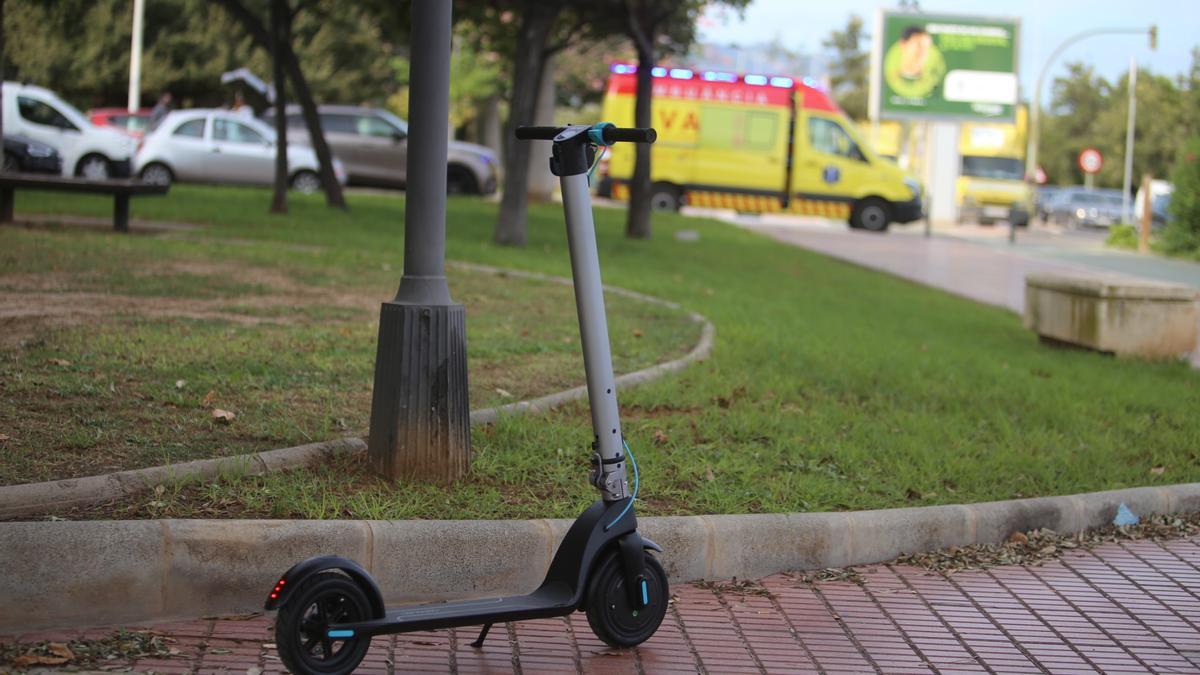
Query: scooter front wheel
[[303, 621], [611, 615]]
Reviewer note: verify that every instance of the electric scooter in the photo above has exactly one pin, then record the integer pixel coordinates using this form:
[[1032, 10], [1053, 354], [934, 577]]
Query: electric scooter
[[330, 607]]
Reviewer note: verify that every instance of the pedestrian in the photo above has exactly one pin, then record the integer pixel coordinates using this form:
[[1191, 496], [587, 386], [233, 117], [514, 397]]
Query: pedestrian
[[161, 108]]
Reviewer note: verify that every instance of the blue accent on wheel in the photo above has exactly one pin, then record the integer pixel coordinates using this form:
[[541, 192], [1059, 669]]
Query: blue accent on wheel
[[645, 593], [345, 633]]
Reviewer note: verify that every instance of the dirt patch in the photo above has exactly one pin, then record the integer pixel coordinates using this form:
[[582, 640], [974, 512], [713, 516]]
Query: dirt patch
[[31, 304]]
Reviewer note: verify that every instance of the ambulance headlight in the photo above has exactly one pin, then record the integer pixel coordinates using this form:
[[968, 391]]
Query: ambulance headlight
[[914, 186]]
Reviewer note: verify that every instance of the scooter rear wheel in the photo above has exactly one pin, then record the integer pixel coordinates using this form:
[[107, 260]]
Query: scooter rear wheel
[[300, 627], [610, 614]]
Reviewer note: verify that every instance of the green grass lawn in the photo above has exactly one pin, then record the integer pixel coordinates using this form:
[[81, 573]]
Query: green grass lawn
[[831, 387], [116, 350]]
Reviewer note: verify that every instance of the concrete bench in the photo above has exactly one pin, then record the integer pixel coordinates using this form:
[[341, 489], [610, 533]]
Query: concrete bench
[[1112, 314], [120, 188]]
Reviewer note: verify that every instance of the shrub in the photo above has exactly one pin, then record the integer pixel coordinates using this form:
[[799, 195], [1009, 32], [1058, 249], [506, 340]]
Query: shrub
[[1122, 236], [1182, 234]]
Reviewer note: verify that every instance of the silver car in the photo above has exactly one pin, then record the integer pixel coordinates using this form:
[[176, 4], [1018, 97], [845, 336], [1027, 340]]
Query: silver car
[[374, 145], [220, 146]]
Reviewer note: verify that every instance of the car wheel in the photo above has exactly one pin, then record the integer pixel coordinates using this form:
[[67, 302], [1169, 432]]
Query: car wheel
[[157, 174], [306, 182], [664, 197], [11, 163], [459, 181], [93, 167], [871, 214]]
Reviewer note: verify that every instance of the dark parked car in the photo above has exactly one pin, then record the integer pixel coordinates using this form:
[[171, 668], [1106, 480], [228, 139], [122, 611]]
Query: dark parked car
[[1079, 207], [22, 153]]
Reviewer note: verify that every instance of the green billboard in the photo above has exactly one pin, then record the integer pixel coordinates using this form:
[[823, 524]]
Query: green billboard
[[943, 66]]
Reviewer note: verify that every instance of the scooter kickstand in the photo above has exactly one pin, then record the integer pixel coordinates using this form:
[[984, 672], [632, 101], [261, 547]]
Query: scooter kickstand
[[478, 643]]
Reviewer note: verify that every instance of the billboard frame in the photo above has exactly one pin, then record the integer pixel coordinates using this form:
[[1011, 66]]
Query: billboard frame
[[875, 69]]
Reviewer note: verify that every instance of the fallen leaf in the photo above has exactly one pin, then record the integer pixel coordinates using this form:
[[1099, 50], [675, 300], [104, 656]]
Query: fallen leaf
[[1158, 470], [254, 671], [61, 650], [179, 384], [208, 398], [567, 340], [219, 650], [503, 392], [1018, 538], [637, 332], [708, 473], [428, 643], [660, 437], [223, 416], [38, 660], [60, 362], [5, 437]]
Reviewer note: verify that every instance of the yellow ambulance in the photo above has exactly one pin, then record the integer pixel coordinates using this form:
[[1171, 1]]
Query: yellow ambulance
[[755, 143]]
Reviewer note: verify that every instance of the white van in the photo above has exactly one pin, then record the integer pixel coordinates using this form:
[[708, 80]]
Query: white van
[[87, 150]]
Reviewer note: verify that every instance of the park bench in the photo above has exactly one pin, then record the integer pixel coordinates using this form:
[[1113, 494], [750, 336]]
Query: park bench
[[120, 188], [1117, 315]]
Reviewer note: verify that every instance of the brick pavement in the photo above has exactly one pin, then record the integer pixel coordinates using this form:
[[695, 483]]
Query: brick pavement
[[1131, 607]]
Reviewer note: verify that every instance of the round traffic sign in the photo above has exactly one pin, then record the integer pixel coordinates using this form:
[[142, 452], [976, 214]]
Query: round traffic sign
[[1090, 160]]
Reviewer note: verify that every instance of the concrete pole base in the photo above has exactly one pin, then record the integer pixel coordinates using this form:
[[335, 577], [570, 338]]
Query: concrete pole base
[[420, 413]]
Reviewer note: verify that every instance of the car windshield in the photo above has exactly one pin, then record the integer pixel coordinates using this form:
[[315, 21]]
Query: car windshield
[[1001, 168], [396, 121], [69, 111]]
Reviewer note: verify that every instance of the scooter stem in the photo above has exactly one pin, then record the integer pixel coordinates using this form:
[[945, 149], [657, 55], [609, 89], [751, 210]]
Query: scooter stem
[[609, 474]]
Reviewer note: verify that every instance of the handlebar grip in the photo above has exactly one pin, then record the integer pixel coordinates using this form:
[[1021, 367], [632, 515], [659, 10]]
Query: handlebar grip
[[538, 133], [629, 135]]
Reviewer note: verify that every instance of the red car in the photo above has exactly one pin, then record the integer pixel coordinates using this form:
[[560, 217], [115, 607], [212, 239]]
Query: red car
[[135, 124]]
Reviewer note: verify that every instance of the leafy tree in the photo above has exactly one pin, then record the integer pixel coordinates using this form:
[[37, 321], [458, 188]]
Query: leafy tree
[[80, 48], [1086, 110], [1183, 230], [849, 68]]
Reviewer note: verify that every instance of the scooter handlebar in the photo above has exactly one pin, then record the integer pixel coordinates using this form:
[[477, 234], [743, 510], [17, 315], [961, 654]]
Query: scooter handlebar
[[610, 134]]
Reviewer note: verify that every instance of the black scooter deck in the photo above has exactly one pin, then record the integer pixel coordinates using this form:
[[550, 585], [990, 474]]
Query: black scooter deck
[[552, 599]]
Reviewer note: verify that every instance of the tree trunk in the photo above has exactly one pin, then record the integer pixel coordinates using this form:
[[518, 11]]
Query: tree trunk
[[279, 36], [541, 181], [637, 224], [489, 125], [262, 37], [536, 23], [333, 189]]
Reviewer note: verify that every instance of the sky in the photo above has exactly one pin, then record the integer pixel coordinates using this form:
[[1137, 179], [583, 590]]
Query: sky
[[803, 24]]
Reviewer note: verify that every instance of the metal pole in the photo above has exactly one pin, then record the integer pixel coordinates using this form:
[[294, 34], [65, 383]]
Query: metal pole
[[424, 277], [135, 57], [1127, 181], [420, 417]]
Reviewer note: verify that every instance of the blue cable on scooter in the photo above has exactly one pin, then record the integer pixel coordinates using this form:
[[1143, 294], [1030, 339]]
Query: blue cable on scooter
[[636, 483]]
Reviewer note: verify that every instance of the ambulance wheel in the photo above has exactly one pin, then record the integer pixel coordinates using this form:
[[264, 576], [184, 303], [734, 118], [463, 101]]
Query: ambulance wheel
[[664, 197], [612, 618], [871, 214], [300, 628]]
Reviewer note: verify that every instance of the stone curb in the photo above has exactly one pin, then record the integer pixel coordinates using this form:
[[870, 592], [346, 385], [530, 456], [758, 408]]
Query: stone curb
[[93, 573], [28, 498]]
